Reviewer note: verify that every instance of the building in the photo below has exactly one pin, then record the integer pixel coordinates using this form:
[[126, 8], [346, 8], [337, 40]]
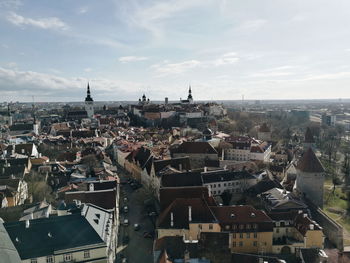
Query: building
[[243, 148], [264, 132], [68, 238], [329, 119], [89, 103], [220, 181], [310, 178], [309, 141], [8, 252], [189, 99]]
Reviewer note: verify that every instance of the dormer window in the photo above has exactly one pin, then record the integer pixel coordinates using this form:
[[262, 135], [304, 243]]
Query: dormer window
[[252, 214], [232, 215]]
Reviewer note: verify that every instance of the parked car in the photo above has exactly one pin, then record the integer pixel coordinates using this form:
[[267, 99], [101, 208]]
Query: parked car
[[137, 227], [153, 213], [125, 209], [126, 222]]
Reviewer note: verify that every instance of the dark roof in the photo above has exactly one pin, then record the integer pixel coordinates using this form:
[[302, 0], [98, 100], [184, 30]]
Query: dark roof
[[309, 163], [195, 147], [309, 138], [184, 162], [249, 258], [225, 175], [66, 232], [13, 183], [182, 179], [169, 194], [243, 214], [180, 209], [21, 127], [26, 147], [103, 198]]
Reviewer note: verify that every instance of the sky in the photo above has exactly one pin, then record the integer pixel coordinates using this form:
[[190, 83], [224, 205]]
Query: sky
[[262, 49]]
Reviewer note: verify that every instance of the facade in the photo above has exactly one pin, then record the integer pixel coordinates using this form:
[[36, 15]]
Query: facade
[[223, 180], [247, 149], [89, 103]]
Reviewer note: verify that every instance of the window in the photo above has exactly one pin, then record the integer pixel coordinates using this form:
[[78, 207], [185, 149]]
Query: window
[[241, 235], [199, 226], [248, 226], [255, 226], [241, 226], [277, 223], [49, 259], [210, 226], [224, 184], [248, 235], [234, 244], [234, 235], [87, 254], [214, 192], [33, 260], [277, 230], [255, 244], [67, 257], [214, 186], [240, 243], [255, 235], [234, 226], [219, 185], [227, 227]]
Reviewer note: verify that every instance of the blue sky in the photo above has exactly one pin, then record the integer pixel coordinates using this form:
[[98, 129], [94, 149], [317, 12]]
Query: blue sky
[[264, 49]]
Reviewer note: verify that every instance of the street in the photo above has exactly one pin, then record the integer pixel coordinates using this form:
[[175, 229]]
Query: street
[[138, 249]]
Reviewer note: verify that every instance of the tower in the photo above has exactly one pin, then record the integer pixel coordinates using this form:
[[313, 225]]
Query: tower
[[89, 103], [309, 141], [189, 97], [310, 177]]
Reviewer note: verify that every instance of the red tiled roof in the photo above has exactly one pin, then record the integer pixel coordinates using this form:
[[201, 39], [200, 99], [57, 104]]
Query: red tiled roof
[[309, 163]]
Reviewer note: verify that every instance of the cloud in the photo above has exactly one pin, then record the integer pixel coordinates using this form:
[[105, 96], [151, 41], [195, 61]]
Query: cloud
[[226, 59], [10, 3], [83, 10], [252, 25], [21, 85], [43, 23], [131, 59], [87, 69]]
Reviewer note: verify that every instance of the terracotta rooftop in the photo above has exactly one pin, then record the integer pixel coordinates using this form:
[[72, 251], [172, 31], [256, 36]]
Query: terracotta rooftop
[[309, 163]]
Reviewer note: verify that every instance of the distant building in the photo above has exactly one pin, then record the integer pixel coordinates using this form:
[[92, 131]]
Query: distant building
[[189, 97], [328, 119], [264, 132], [309, 141], [89, 103]]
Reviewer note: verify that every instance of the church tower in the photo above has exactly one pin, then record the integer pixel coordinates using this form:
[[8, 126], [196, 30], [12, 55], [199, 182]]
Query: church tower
[[189, 97], [89, 103], [310, 178]]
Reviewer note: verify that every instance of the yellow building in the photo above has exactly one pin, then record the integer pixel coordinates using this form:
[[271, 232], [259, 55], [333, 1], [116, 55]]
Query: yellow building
[[250, 230]]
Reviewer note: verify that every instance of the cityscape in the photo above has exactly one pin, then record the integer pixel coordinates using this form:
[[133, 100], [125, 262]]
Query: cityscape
[[119, 143]]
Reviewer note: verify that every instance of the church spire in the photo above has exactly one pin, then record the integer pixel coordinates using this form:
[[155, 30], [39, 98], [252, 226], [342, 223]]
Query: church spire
[[189, 97], [88, 94]]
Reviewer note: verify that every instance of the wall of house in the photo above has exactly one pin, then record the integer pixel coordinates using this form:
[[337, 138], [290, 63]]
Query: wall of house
[[196, 229], [133, 169], [311, 185], [314, 239], [172, 232], [262, 243], [234, 186], [197, 160], [96, 254]]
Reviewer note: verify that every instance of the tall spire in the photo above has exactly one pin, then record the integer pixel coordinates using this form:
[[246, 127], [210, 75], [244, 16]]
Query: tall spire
[[88, 94], [189, 97]]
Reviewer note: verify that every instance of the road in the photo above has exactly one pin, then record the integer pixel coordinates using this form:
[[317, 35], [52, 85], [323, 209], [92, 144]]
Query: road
[[139, 249]]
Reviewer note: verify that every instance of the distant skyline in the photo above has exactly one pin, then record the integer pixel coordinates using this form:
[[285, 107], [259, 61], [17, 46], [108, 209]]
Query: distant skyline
[[264, 49]]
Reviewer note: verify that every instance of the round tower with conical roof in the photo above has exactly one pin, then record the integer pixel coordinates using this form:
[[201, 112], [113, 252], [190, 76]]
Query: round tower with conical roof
[[310, 178]]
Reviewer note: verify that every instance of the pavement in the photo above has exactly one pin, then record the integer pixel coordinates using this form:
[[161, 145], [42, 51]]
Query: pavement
[[139, 249]]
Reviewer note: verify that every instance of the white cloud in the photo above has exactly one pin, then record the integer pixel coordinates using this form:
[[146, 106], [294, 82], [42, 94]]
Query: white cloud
[[87, 69], [226, 59], [83, 10], [10, 3], [131, 59], [43, 23]]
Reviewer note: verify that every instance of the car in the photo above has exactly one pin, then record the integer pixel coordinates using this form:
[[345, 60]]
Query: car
[[124, 260], [125, 209], [126, 222], [153, 213], [125, 199], [137, 227]]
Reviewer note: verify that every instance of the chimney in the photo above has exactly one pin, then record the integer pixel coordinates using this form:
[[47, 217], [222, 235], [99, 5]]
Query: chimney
[[180, 167], [312, 226], [304, 215], [27, 223], [190, 214], [205, 169], [31, 216], [23, 151], [91, 187], [171, 219]]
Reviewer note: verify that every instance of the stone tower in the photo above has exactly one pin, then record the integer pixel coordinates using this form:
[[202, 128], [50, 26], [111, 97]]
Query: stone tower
[[89, 103], [309, 141], [310, 177]]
